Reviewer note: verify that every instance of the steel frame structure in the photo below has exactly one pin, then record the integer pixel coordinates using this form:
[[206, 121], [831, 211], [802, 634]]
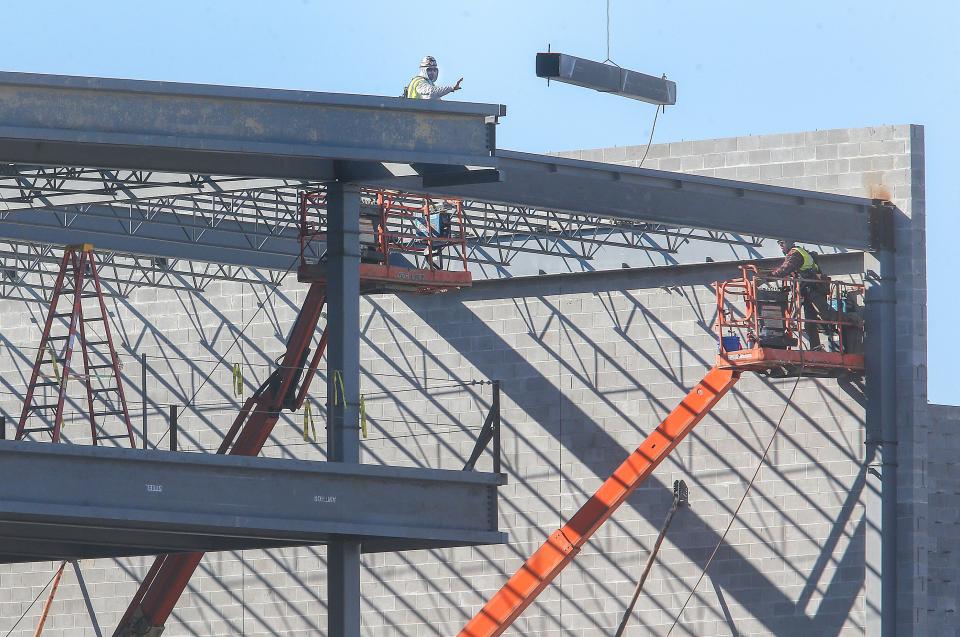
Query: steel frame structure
[[432, 148], [29, 267], [257, 228]]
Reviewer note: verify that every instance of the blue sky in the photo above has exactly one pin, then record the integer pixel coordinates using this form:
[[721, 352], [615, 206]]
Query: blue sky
[[742, 66]]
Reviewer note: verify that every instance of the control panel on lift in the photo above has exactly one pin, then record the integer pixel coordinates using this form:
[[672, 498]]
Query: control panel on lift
[[408, 243], [764, 325]]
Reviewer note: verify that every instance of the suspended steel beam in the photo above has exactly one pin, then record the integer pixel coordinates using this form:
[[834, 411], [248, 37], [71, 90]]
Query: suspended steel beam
[[606, 78], [136, 502], [205, 129]]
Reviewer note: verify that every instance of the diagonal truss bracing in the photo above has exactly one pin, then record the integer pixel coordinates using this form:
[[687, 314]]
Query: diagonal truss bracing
[[28, 270], [204, 228], [23, 187]]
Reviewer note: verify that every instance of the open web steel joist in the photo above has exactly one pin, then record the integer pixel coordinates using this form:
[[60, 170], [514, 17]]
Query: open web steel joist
[[136, 502], [256, 227], [28, 271]]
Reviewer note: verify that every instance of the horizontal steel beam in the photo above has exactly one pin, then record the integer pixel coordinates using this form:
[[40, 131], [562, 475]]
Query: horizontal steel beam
[[675, 199], [606, 78], [133, 124], [74, 502]]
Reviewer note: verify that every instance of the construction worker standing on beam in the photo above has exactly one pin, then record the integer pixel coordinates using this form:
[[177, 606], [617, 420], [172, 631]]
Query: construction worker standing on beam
[[422, 86], [813, 291]]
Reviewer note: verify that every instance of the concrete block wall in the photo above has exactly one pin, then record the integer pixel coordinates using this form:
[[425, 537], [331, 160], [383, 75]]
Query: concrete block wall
[[943, 487], [590, 363], [884, 162]]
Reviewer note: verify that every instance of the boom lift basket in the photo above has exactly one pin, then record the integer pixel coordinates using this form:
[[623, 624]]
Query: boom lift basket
[[761, 321], [408, 243]]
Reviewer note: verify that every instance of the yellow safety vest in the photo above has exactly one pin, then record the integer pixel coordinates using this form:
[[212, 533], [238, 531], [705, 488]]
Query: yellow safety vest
[[412, 88], [808, 262]]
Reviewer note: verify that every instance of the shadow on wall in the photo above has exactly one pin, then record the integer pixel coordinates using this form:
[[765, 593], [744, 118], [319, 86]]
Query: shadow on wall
[[590, 364], [794, 564]]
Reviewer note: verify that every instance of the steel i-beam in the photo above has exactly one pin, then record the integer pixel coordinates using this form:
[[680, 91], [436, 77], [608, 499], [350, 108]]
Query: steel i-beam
[[120, 502]]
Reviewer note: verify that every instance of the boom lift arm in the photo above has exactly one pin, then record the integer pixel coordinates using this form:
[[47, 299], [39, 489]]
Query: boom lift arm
[[396, 223], [168, 577], [564, 544]]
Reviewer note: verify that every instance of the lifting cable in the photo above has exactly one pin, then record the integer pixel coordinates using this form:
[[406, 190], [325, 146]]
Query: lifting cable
[[680, 498], [262, 306], [206, 378], [660, 107], [743, 498], [46, 607], [653, 127], [35, 599]]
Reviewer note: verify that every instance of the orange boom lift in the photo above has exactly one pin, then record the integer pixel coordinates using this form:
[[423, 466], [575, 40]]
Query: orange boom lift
[[409, 244], [763, 320]]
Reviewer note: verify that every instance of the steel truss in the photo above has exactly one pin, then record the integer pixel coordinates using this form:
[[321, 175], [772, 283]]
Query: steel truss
[[28, 270], [24, 186], [510, 230], [202, 228]]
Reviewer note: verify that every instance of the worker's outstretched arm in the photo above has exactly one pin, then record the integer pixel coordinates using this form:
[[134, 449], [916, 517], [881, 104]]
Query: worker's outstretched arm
[[563, 544], [436, 91]]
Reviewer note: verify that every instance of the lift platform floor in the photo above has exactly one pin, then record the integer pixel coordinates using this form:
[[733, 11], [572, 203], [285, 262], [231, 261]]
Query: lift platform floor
[[378, 278]]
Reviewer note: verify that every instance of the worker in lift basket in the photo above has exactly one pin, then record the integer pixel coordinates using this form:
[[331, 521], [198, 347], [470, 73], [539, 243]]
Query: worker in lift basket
[[813, 290], [422, 86]]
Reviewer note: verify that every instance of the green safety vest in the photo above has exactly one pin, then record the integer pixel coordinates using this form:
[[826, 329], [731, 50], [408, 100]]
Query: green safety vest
[[412, 88], [808, 263]]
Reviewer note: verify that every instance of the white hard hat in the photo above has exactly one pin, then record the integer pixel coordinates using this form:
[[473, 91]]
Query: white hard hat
[[428, 62]]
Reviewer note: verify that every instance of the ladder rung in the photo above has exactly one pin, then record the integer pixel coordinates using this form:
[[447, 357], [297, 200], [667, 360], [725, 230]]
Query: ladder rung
[[116, 437], [108, 413], [53, 406], [48, 383], [100, 367], [83, 295], [33, 430], [92, 318], [103, 389], [58, 338], [62, 314], [97, 342]]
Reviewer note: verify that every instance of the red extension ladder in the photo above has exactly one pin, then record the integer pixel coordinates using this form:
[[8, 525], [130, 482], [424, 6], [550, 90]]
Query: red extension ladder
[[90, 330]]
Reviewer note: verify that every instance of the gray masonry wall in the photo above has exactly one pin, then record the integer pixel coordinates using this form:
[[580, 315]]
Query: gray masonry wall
[[590, 363], [943, 487]]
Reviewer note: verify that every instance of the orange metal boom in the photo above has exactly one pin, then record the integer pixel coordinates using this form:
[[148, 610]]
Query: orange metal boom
[[563, 545]]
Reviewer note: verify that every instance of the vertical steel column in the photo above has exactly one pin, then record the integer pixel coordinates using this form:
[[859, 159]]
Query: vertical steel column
[[496, 426], [881, 443], [143, 396], [173, 427], [343, 388]]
